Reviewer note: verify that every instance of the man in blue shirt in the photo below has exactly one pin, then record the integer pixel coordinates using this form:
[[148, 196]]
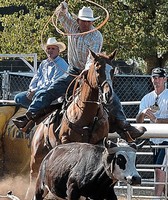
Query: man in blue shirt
[[49, 70]]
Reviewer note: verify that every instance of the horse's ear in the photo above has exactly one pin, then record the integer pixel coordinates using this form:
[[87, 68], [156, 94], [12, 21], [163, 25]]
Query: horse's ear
[[93, 54], [113, 54]]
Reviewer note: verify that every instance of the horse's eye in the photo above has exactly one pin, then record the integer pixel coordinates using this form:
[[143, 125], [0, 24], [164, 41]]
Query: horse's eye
[[97, 64]]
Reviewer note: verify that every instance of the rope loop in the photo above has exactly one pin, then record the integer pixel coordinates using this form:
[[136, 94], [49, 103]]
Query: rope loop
[[57, 11], [55, 22]]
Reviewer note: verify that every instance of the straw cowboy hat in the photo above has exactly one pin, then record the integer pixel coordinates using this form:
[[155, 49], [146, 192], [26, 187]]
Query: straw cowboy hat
[[86, 14], [53, 41]]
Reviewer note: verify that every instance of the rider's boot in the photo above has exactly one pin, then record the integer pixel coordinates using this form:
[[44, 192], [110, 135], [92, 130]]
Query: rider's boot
[[25, 122], [28, 121], [129, 133]]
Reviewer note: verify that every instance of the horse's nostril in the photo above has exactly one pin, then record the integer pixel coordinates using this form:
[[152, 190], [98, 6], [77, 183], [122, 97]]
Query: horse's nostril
[[133, 180]]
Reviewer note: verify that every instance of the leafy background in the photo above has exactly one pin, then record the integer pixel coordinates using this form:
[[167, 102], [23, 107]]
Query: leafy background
[[137, 28]]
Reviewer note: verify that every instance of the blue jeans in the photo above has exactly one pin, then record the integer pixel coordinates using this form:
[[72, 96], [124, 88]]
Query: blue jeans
[[45, 97], [159, 154], [22, 99], [115, 108]]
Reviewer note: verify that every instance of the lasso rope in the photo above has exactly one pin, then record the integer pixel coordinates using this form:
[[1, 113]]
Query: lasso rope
[[57, 11]]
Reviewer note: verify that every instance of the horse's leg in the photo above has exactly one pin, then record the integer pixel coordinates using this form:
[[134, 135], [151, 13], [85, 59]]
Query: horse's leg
[[41, 188], [73, 192], [53, 139], [63, 134], [40, 193], [36, 158]]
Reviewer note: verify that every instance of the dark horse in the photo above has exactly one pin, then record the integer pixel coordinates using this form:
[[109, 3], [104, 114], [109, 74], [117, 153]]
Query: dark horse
[[85, 119]]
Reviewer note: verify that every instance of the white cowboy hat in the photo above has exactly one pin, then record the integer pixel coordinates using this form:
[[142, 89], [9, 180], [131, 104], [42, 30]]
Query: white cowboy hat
[[86, 14], [53, 41]]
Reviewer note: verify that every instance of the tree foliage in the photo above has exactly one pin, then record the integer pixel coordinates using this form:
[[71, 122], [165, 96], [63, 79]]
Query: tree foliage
[[137, 28]]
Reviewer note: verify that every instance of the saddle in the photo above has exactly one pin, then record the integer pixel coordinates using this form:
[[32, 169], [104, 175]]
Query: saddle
[[26, 122]]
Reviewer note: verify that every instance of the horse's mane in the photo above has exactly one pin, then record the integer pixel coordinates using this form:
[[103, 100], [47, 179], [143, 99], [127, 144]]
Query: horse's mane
[[103, 55]]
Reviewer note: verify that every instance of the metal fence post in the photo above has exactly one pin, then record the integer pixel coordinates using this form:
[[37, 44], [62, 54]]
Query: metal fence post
[[5, 85], [129, 192]]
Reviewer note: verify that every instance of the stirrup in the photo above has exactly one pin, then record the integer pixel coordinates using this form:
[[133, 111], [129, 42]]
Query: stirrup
[[128, 137], [131, 137], [20, 122], [28, 126]]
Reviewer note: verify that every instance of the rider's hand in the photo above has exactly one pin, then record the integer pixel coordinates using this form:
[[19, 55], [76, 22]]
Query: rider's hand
[[62, 8], [64, 5]]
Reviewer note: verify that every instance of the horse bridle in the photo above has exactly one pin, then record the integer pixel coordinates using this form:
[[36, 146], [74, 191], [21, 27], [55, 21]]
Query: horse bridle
[[99, 88], [104, 95]]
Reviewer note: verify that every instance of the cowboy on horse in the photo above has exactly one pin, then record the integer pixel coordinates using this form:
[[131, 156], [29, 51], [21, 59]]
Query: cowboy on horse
[[79, 60]]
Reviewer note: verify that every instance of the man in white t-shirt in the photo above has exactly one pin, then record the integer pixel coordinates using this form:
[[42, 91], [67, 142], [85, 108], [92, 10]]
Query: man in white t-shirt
[[154, 106]]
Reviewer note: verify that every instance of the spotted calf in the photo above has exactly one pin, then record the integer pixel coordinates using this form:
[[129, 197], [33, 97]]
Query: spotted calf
[[73, 170]]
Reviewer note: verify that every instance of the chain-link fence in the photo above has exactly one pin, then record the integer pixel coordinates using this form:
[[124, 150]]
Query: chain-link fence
[[128, 88], [13, 83], [131, 88]]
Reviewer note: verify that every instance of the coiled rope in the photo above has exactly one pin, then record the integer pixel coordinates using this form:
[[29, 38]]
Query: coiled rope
[[57, 12]]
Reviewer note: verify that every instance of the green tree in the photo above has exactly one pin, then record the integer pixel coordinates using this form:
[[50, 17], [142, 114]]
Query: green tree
[[138, 28]]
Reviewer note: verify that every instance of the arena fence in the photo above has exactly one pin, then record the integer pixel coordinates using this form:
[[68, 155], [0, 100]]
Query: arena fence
[[145, 167], [27, 60], [130, 90], [147, 187], [13, 81]]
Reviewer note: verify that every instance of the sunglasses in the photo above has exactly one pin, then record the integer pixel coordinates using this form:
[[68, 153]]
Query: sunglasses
[[155, 106]]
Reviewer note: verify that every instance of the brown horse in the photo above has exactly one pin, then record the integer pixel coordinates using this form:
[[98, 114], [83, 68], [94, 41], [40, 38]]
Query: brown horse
[[85, 119]]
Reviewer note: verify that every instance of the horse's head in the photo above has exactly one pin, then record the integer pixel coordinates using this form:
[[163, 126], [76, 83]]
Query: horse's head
[[105, 72]]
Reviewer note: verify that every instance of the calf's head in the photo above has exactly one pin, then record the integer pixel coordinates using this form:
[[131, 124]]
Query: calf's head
[[119, 162]]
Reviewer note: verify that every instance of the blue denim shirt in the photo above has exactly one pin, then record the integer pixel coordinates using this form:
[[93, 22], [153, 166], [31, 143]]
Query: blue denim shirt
[[47, 73]]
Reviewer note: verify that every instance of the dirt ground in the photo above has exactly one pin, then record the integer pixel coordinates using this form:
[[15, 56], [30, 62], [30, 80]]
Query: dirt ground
[[18, 185]]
